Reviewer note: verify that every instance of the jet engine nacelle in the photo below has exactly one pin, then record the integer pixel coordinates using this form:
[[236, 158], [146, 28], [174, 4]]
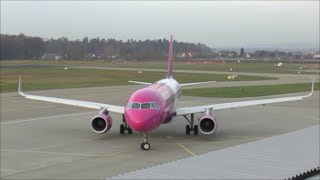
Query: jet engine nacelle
[[101, 123], [207, 124]]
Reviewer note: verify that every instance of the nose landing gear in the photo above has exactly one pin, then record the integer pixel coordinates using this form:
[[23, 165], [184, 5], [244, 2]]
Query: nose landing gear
[[191, 127], [145, 145], [124, 127]]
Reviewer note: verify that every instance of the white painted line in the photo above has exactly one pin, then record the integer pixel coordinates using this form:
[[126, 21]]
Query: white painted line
[[47, 152], [48, 117]]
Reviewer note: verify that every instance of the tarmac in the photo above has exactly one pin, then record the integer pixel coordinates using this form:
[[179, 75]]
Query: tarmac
[[42, 140]]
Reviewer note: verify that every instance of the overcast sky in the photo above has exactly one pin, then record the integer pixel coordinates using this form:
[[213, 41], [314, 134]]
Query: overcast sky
[[217, 24]]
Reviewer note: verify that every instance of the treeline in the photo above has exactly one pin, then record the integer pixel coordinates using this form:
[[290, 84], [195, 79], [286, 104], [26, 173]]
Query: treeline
[[21, 47], [26, 47]]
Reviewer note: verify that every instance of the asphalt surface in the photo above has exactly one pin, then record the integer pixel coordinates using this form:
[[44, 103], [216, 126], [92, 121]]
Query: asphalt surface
[[42, 140]]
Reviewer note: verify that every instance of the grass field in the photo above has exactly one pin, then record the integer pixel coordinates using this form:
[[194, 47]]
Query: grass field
[[236, 67], [58, 78], [250, 91]]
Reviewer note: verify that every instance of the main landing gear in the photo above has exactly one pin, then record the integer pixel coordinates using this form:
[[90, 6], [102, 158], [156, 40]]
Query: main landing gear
[[124, 127], [145, 145], [191, 127]]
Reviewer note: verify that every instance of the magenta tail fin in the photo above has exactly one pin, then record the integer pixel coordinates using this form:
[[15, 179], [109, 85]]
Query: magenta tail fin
[[169, 75]]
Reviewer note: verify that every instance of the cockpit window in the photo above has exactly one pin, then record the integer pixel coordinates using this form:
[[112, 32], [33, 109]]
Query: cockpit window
[[154, 105], [145, 106], [129, 105], [135, 105]]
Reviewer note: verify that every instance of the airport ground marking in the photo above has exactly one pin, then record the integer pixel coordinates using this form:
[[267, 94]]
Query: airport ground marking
[[63, 153], [240, 140], [186, 149], [41, 118], [48, 152], [115, 153]]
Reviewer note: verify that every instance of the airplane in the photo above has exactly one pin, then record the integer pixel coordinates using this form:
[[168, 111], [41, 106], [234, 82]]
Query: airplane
[[156, 104]]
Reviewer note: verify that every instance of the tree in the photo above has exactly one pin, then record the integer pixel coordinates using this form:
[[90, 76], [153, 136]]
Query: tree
[[241, 52], [21, 47], [25, 47]]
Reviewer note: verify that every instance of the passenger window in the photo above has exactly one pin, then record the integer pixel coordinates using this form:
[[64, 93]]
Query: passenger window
[[136, 105], [145, 106]]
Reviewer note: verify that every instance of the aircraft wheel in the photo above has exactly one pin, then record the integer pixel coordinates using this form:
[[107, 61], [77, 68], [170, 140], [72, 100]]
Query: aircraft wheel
[[145, 146], [129, 130], [122, 129], [196, 130], [188, 129]]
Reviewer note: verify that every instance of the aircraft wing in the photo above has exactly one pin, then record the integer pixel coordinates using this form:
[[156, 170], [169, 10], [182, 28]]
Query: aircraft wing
[[196, 83], [86, 104], [201, 109]]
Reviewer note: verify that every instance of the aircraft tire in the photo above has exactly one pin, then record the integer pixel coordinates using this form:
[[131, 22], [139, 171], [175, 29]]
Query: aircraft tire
[[196, 130], [129, 130], [122, 129], [145, 146], [188, 129]]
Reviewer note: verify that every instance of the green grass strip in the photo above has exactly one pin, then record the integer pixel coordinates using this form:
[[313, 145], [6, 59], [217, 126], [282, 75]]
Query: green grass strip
[[250, 91], [59, 78]]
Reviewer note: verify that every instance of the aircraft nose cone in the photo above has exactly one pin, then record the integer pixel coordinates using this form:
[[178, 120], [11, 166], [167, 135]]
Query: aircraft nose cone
[[143, 120]]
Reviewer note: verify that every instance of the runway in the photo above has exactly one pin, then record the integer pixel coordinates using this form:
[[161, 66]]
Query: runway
[[50, 141]]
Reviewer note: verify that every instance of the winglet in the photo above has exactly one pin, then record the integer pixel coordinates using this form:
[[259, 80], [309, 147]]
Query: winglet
[[20, 87], [312, 88]]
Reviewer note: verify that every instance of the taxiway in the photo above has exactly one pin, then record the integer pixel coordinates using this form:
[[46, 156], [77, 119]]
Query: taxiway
[[52, 141]]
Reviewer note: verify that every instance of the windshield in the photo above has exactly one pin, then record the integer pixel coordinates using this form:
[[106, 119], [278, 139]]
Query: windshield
[[146, 105], [135, 105], [154, 105]]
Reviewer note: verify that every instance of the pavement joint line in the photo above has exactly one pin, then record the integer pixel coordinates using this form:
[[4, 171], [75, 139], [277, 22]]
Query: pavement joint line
[[186, 149], [47, 152], [252, 111], [89, 156], [241, 137], [242, 140], [62, 153], [40, 118]]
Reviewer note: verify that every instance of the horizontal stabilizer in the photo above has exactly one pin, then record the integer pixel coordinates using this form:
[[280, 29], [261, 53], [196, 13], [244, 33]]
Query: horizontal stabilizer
[[196, 83], [137, 82]]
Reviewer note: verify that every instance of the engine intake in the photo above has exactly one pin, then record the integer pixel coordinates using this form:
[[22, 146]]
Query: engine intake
[[101, 123], [207, 124]]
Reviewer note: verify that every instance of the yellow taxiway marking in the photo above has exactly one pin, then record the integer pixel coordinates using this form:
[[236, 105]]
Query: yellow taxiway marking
[[190, 152], [118, 152]]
